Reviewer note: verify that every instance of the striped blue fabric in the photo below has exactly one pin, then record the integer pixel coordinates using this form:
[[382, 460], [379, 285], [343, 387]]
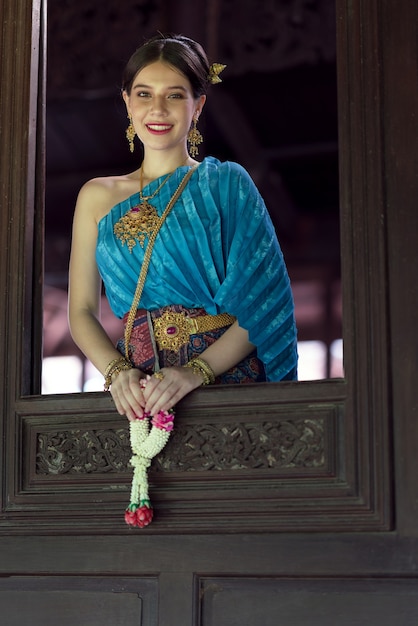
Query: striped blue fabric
[[217, 250]]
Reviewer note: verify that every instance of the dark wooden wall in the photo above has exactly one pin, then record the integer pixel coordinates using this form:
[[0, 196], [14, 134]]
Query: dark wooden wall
[[307, 512]]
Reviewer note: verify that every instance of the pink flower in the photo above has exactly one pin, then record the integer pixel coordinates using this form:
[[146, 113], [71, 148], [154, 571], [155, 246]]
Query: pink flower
[[139, 515], [144, 516], [163, 420], [130, 517]]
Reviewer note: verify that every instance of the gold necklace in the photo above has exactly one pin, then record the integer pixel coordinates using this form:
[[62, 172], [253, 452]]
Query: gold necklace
[[141, 220], [144, 199], [147, 257]]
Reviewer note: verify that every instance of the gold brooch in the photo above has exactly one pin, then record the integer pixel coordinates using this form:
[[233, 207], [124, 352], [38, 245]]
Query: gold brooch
[[171, 330]]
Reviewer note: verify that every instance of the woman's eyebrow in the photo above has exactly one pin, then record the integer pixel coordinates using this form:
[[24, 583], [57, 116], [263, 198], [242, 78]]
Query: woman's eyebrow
[[143, 86]]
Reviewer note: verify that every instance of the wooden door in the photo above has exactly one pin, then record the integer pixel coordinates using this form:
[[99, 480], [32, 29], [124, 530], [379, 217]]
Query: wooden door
[[293, 504]]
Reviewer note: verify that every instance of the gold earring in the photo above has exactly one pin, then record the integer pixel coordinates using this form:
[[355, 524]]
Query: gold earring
[[130, 134], [194, 138]]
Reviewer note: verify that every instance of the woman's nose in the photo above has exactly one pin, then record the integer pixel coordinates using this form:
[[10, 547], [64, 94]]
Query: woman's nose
[[158, 104]]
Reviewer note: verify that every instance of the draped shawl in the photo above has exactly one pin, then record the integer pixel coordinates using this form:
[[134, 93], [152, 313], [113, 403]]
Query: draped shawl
[[217, 250]]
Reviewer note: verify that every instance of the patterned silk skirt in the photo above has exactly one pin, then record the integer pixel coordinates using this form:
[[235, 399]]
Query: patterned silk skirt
[[173, 335]]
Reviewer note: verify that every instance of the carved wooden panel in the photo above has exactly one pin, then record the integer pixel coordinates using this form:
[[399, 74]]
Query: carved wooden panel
[[252, 466], [282, 444]]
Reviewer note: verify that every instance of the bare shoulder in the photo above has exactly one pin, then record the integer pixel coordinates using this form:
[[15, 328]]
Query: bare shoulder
[[98, 195]]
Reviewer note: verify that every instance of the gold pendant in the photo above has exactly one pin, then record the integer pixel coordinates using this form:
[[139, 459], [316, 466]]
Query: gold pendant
[[137, 224]]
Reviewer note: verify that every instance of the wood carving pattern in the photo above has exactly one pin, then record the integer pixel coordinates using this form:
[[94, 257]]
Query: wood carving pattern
[[83, 451], [271, 36], [91, 53], [201, 447], [266, 445], [268, 36]]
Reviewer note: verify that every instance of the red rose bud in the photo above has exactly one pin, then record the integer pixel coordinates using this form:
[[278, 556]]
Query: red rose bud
[[144, 516], [130, 517]]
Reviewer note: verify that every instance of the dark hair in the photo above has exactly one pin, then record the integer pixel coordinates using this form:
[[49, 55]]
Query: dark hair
[[183, 54]]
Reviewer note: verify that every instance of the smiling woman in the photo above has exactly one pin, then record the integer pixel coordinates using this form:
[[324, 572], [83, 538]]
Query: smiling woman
[[289, 150], [201, 259]]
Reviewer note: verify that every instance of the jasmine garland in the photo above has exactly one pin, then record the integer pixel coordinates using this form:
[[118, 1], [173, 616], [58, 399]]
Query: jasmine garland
[[145, 446]]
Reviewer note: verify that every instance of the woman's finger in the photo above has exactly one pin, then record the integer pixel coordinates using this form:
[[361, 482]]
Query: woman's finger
[[163, 391], [127, 394]]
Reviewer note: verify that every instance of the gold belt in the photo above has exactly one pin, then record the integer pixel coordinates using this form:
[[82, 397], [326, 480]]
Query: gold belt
[[172, 330]]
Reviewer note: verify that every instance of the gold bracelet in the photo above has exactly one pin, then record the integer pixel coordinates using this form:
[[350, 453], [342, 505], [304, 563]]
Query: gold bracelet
[[203, 369], [206, 368], [117, 365], [120, 359]]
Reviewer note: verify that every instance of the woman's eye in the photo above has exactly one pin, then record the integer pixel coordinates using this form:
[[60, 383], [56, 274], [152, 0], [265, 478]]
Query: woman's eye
[[171, 96]]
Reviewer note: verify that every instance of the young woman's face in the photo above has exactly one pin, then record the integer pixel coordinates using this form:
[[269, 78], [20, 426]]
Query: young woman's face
[[162, 106]]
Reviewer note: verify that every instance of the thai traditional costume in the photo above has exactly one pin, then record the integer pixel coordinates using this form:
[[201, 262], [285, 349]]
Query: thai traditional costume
[[217, 252]]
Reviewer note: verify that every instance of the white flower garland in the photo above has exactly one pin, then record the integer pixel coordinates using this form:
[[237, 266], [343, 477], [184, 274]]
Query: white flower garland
[[145, 446]]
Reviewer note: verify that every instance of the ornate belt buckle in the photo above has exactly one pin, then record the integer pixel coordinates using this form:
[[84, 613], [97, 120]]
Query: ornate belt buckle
[[171, 330]]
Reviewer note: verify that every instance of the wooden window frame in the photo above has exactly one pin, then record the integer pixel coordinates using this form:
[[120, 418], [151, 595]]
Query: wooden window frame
[[352, 488]]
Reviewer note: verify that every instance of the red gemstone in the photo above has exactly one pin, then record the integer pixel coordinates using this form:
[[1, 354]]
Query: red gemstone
[[171, 330]]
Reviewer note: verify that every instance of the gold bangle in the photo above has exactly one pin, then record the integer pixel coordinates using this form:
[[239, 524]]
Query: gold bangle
[[112, 364], [202, 368], [117, 365], [204, 365]]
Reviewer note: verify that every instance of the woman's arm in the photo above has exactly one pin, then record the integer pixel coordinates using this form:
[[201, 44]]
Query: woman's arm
[[231, 348], [84, 299]]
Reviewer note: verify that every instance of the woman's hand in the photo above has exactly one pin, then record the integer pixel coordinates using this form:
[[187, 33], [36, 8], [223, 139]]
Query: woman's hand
[[128, 394], [168, 386]]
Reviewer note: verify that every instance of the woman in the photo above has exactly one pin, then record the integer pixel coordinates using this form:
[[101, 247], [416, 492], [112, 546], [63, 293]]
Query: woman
[[214, 304]]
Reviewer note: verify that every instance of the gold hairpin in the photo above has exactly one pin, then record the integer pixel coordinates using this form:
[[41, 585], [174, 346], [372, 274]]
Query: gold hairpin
[[214, 70]]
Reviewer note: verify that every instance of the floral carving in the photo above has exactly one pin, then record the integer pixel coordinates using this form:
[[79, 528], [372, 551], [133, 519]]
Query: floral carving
[[297, 443], [104, 33], [83, 451], [267, 445], [268, 36], [272, 36]]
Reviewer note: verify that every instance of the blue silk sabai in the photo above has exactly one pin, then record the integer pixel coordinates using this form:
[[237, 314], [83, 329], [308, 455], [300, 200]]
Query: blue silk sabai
[[218, 250]]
